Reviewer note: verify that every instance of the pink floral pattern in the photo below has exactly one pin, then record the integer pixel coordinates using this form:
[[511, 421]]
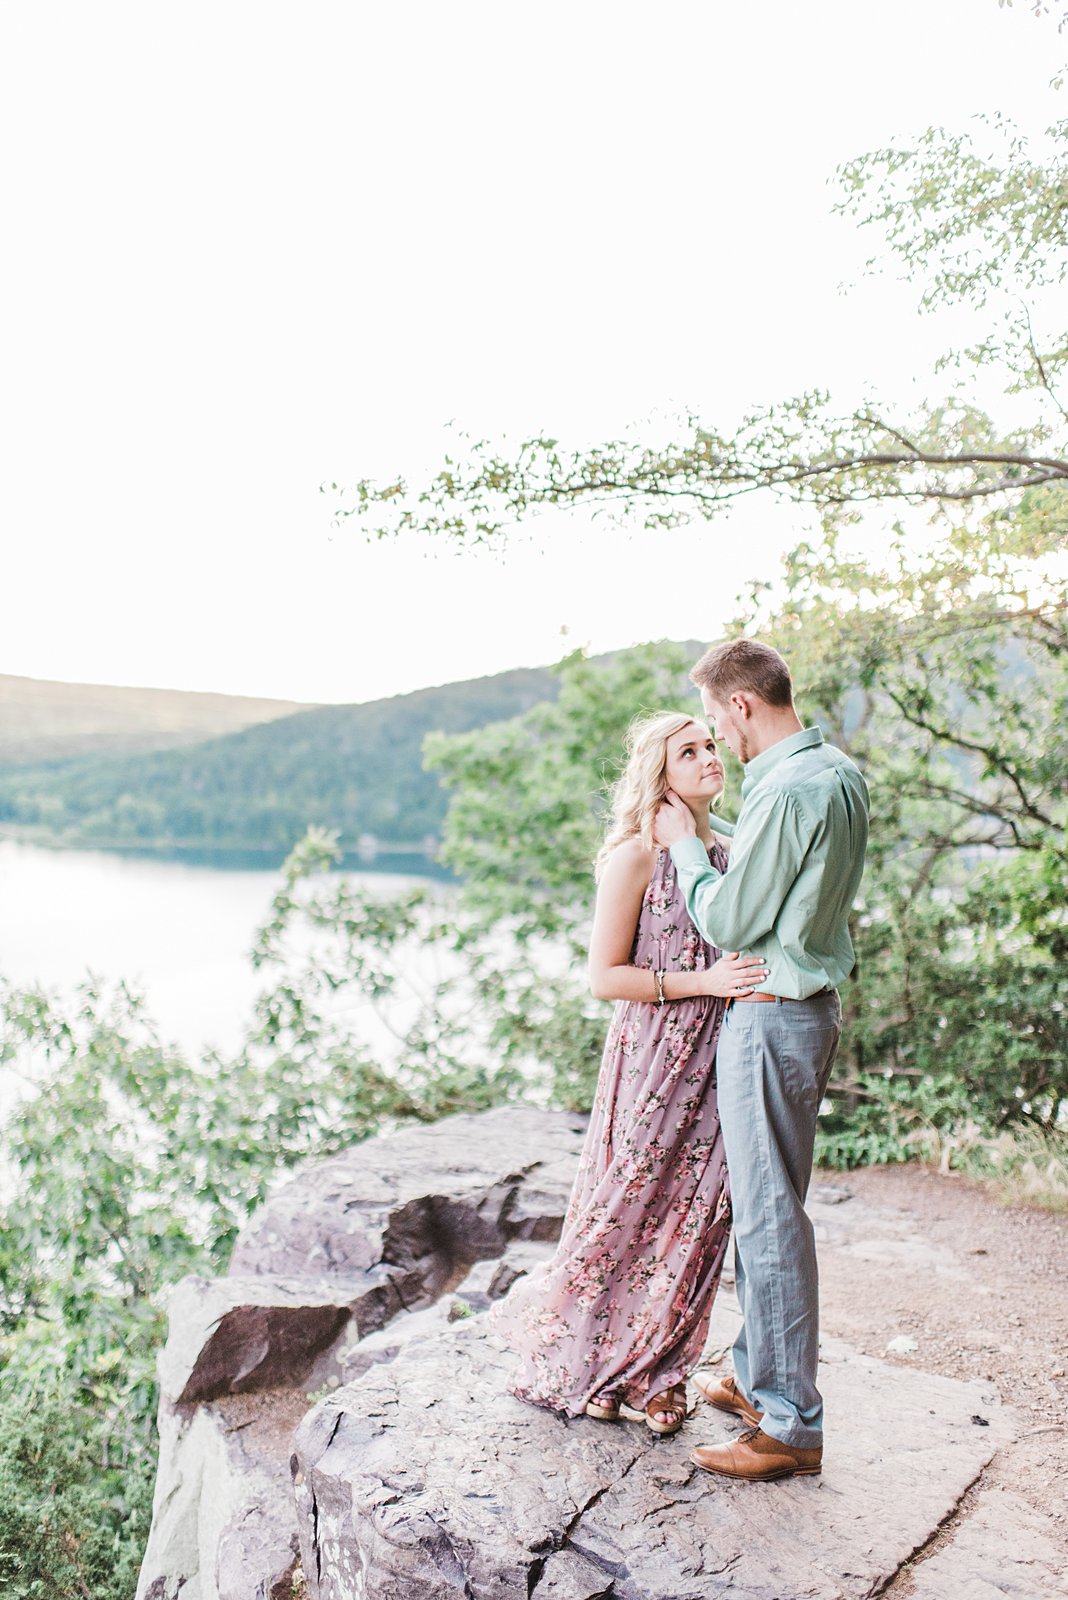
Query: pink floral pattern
[[625, 1302]]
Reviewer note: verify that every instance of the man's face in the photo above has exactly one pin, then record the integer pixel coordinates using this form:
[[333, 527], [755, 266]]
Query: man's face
[[727, 726]]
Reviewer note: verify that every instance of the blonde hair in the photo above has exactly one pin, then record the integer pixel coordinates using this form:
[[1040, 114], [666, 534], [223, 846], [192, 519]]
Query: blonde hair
[[643, 782]]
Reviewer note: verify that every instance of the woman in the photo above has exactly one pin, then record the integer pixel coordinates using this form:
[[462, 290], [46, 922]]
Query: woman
[[618, 1318]]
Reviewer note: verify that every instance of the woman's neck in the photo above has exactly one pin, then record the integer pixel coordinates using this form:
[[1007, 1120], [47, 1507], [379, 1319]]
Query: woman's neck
[[699, 809]]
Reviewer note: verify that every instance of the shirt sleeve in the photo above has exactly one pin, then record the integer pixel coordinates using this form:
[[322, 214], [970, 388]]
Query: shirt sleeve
[[734, 909]]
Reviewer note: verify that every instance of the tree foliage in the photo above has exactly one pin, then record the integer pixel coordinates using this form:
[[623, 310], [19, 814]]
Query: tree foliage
[[952, 693], [946, 674], [942, 665], [981, 226]]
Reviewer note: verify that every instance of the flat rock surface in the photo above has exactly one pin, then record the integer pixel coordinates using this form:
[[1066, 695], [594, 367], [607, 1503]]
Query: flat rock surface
[[426, 1479], [1005, 1550]]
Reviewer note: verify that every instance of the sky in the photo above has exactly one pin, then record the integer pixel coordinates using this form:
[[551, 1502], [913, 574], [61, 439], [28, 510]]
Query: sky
[[253, 248]]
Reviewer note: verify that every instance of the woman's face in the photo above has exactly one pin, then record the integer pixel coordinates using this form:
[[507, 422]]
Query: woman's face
[[693, 768]]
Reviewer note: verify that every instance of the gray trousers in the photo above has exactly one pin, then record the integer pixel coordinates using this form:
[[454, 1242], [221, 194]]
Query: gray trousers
[[772, 1068]]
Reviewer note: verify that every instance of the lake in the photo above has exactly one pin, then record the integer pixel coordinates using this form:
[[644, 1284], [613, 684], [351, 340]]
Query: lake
[[180, 932]]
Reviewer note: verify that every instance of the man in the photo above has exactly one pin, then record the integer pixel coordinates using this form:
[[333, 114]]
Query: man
[[797, 856]]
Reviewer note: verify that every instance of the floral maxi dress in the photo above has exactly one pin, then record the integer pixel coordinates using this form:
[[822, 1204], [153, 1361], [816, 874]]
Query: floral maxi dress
[[624, 1304]]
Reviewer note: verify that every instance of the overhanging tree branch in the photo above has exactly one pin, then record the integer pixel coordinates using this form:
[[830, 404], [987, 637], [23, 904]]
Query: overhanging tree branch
[[996, 761], [795, 451]]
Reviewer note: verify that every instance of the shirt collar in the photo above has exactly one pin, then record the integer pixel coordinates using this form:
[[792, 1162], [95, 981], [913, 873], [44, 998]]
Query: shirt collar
[[761, 765]]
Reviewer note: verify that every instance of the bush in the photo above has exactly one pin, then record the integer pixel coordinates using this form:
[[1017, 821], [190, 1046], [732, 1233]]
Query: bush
[[73, 1518]]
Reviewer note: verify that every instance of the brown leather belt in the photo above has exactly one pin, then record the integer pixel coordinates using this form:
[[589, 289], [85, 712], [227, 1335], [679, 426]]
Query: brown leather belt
[[786, 999]]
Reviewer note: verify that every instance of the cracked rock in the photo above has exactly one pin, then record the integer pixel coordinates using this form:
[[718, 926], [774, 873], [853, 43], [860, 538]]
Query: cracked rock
[[491, 1280], [222, 1517], [981, 1563], [427, 1201], [425, 1479], [341, 1266], [231, 1335], [420, 1476]]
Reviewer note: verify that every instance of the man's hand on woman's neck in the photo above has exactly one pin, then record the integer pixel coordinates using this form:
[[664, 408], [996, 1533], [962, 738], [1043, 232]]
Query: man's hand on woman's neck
[[702, 821]]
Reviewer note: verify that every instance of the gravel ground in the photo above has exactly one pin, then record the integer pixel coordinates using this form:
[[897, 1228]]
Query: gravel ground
[[982, 1290]]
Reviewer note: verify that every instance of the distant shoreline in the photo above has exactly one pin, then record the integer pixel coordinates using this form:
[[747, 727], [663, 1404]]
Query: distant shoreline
[[238, 853]]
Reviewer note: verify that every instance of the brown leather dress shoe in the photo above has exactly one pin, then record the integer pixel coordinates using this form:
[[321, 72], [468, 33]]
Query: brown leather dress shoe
[[756, 1457], [725, 1395]]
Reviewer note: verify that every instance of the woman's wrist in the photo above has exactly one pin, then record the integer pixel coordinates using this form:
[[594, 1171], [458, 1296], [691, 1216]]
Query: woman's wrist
[[683, 985]]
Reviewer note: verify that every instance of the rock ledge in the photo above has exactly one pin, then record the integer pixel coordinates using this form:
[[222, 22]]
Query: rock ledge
[[416, 1474]]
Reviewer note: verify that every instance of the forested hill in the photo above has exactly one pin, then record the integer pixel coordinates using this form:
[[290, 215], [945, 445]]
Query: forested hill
[[41, 720], [356, 768]]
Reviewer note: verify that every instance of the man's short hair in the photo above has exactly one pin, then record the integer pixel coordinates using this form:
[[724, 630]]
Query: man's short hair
[[744, 665]]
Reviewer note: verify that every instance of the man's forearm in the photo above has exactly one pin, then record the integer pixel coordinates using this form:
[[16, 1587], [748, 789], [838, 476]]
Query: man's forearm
[[735, 909], [702, 887]]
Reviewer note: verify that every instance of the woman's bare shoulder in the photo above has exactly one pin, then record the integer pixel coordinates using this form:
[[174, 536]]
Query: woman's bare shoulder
[[631, 860]]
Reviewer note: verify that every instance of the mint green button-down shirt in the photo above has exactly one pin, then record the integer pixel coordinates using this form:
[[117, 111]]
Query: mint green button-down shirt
[[797, 855]]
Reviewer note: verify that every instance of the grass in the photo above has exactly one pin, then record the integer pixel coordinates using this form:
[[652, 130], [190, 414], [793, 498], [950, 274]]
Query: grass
[[1023, 1165]]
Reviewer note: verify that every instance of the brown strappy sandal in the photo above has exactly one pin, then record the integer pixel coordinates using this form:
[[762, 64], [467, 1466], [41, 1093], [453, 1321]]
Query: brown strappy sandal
[[672, 1401], [604, 1405]]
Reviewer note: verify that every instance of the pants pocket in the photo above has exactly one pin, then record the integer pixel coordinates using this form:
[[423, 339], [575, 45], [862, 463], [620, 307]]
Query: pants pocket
[[805, 1058]]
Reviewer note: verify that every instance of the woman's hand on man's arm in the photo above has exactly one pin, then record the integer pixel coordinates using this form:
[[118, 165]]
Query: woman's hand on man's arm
[[615, 920]]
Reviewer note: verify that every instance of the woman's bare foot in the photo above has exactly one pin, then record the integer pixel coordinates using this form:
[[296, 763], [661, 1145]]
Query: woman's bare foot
[[604, 1405], [665, 1411]]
